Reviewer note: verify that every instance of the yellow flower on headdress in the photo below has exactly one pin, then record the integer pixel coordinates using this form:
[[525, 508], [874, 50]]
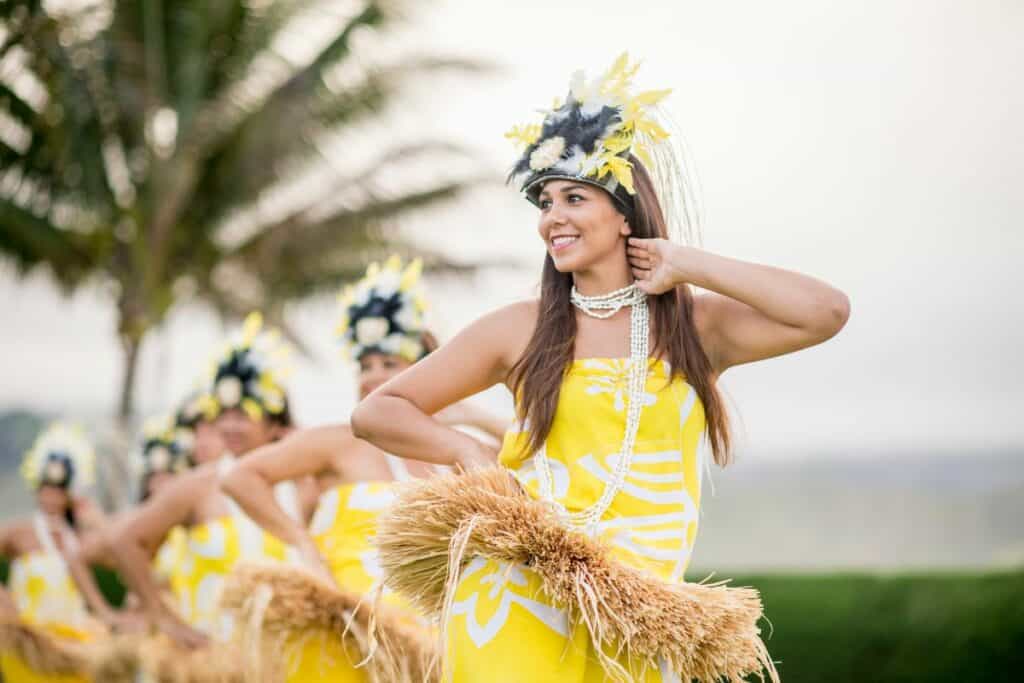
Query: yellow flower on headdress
[[384, 311], [61, 456]]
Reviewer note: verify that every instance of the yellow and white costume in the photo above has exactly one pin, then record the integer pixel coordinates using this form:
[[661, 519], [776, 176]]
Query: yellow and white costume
[[213, 550], [344, 526], [47, 598], [502, 627], [40, 582]]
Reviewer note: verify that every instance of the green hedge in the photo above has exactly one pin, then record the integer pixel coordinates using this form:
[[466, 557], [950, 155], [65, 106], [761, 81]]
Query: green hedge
[[839, 628], [938, 628]]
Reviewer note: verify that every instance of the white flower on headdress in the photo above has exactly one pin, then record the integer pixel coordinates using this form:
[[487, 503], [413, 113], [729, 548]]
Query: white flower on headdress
[[370, 331], [408, 318], [547, 153], [159, 458], [229, 391], [388, 282], [54, 472], [185, 438], [392, 344]]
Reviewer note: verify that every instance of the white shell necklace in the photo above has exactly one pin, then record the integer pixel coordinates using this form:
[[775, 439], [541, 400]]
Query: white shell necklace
[[603, 307]]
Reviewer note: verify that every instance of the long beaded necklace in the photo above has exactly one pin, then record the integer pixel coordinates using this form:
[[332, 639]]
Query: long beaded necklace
[[603, 307]]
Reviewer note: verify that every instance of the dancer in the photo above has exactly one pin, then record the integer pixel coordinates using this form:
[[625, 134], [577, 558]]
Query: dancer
[[382, 329], [614, 373], [42, 592], [251, 408]]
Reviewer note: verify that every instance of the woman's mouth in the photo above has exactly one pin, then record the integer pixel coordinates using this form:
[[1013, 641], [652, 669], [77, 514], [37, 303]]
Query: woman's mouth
[[563, 242]]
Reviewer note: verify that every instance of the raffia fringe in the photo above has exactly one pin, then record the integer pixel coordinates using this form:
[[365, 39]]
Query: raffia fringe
[[112, 659], [41, 651], [703, 632], [280, 603]]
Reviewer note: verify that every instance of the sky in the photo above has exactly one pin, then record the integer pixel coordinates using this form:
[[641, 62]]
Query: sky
[[876, 145]]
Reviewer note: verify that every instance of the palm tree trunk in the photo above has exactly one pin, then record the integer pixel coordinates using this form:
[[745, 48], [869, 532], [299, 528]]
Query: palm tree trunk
[[117, 467]]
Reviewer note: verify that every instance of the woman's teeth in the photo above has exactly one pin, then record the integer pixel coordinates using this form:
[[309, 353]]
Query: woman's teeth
[[563, 241]]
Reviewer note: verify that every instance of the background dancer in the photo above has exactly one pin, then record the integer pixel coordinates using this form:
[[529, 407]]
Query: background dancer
[[382, 329], [251, 405], [42, 589]]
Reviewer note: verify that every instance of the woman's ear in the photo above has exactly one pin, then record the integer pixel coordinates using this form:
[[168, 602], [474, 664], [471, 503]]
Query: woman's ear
[[625, 230]]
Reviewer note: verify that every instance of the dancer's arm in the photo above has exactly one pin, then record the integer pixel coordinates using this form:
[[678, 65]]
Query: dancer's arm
[[140, 532], [8, 608], [8, 545], [306, 452], [466, 414], [396, 417], [76, 555], [752, 311]]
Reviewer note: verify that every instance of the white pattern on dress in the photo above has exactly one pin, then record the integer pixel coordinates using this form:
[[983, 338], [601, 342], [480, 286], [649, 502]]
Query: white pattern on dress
[[502, 578]]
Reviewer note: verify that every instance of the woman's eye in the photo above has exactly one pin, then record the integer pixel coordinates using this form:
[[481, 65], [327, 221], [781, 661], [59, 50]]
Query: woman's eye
[[574, 198], [545, 203]]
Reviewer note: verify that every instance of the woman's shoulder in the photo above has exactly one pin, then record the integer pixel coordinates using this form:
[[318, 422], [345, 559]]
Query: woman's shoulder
[[524, 310], [509, 328]]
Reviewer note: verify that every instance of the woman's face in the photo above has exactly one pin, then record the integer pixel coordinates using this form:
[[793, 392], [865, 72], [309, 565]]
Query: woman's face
[[377, 368], [580, 225], [53, 500], [209, 445], [157, 481], [241, 433]]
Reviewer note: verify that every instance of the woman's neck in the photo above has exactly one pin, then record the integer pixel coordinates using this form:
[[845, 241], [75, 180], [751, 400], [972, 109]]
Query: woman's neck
[[603, 278]]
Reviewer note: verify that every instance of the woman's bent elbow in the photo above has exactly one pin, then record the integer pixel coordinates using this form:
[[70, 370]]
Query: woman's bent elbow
[[838, 312], [362, 419]]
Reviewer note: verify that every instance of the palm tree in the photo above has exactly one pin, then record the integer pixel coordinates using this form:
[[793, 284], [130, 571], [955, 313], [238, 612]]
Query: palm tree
[[146, 144]]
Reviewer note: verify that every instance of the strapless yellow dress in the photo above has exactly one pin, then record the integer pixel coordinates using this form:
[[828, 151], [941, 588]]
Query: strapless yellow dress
[[502, 628]]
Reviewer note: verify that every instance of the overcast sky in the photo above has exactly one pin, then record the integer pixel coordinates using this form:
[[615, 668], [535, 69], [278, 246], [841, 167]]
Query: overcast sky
[[877, 145]]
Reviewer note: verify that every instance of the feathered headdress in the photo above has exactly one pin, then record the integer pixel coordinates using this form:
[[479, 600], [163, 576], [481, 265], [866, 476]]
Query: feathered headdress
[[383, 312], [248, 373], [162, 450], [60, 456], [591, 135]]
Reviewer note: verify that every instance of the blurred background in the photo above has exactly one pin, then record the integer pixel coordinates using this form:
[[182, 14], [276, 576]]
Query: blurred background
[[166, 167]]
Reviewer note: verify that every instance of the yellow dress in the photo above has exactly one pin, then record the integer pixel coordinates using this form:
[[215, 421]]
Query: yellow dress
[[46, 596], [170, 560], [343, 527], [214, 548], [502, 627]]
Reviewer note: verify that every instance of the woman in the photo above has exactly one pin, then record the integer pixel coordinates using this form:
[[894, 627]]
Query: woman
[[382, 329], [249, 406], [614, 372], [166, 452], [43, 592]]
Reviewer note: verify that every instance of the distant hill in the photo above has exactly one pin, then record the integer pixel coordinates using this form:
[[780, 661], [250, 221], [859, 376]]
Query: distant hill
[[948, 511], [17, 431]]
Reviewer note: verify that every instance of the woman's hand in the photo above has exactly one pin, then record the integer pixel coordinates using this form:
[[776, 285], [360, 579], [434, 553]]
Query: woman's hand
[[125, 621], [180, 632], [475, 455], [313, 560], [656, 264]]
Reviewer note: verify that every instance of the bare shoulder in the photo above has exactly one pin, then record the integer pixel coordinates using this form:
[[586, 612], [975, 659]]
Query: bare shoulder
[[16, 536], [510, 327]]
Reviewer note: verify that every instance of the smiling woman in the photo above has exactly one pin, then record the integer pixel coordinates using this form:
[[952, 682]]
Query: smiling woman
[[568, 563]]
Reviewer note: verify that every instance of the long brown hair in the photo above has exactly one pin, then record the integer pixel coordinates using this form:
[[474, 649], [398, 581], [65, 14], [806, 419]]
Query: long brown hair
[[536, 378]]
